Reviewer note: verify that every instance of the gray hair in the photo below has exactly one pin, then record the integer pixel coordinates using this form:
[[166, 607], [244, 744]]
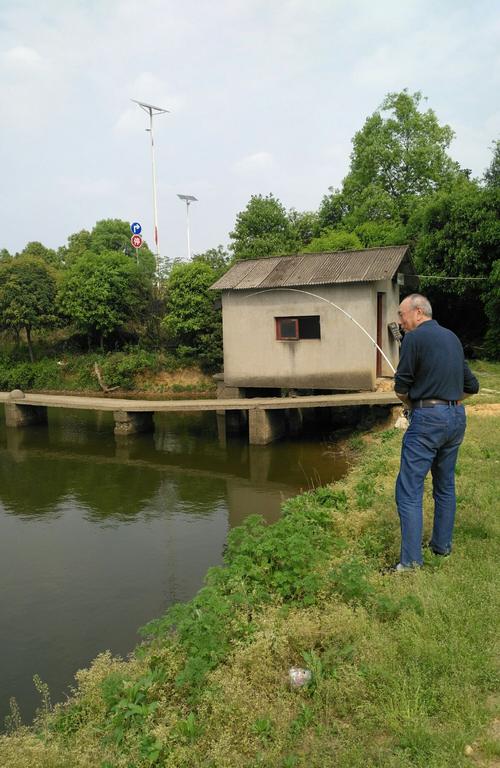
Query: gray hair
[[417, 301]]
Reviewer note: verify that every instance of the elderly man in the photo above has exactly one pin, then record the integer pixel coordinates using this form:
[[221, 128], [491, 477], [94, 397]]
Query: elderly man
[[431, 380]]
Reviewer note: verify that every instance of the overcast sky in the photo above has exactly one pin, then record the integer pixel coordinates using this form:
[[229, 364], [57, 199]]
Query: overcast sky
[[264, 96]]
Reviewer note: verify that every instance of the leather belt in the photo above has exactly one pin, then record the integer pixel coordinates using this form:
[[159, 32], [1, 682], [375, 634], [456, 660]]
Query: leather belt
[[432, 402]]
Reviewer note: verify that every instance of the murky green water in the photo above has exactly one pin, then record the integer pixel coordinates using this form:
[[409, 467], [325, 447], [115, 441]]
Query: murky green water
[[97, 536]]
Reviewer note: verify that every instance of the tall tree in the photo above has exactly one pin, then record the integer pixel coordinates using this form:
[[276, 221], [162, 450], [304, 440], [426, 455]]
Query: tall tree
[[492, 308], [399, 155], [262, 229], [114, 235], [36, 250], [457, 241], [192, 322], [100, 292], [492, 173], [332, 210], [304, 226], [78, 243], [216, 258], [27, 296]]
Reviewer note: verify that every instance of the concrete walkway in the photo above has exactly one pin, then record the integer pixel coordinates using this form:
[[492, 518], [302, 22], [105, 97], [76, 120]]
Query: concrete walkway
[[107, 403], [267, 418]]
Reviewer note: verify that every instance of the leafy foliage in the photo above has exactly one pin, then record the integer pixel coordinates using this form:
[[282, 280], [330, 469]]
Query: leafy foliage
[[399, 155], [457, 234], [101, 292], [334, 240], [492, 307], [38, 251], [216, 258], [262, 563], [492, 173], [27, 295], [263, 229], [107, 235], [192, 323]]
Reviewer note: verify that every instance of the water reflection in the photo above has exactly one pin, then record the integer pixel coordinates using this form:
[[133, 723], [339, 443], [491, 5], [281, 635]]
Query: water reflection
[[99, 535]]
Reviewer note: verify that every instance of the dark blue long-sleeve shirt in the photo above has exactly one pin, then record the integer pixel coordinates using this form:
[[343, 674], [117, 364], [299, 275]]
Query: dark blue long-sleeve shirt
[[432, 365]]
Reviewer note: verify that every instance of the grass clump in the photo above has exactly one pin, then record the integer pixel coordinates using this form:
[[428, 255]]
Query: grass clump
[[403, 666]]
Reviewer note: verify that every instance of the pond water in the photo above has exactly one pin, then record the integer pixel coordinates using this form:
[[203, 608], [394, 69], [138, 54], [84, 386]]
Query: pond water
[[99, 535]]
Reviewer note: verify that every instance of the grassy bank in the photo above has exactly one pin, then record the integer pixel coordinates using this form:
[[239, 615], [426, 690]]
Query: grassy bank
[[404, 665], [135, 370]]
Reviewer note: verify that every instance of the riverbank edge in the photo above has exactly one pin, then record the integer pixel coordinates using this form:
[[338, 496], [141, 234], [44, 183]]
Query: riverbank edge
[[128, 373], [307, 591]]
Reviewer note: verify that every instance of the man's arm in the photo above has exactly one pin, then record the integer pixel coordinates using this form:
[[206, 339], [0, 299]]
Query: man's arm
[[471, 384]]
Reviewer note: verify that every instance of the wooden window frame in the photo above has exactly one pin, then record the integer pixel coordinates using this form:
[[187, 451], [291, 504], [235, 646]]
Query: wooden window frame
[[302, 327], [279, 337]]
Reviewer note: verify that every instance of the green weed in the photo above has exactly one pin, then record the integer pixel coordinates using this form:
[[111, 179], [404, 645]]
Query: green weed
[[263, 728], [188, 730]]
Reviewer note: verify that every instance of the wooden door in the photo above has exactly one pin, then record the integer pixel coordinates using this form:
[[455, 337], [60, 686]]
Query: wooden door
[[380, 314]]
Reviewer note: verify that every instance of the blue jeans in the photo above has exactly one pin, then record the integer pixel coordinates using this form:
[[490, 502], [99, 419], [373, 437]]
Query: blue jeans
[[431, 442]]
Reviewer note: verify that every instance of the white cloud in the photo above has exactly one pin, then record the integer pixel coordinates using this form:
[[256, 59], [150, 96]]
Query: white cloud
[[22, 58], [102, 188], [255, 163]]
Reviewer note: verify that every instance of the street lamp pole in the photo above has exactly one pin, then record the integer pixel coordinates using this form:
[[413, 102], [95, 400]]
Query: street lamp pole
[[152, 110], [188, 200]]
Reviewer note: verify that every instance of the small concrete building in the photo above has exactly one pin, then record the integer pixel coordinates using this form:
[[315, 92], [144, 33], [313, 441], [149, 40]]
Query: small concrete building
[[281, 331]]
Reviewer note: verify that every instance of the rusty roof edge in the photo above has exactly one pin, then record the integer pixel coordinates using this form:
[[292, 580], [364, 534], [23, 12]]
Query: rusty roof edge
[[302, 257]]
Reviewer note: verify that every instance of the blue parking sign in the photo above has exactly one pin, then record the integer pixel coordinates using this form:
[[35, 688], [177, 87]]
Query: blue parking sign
[[136, 228]]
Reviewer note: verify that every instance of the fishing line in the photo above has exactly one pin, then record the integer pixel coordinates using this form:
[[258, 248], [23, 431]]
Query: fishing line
[[322, 298]]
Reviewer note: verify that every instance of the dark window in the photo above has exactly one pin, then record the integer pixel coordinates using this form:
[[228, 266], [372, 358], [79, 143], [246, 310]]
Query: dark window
[[295, 328]]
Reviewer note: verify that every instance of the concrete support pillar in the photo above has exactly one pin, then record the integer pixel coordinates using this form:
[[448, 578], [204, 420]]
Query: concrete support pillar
[[265, 426], [224, 391], [131, 422], [24, 415]]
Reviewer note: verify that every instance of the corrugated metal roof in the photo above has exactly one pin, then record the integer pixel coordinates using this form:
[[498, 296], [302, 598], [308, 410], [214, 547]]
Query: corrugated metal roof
[[314, 269]]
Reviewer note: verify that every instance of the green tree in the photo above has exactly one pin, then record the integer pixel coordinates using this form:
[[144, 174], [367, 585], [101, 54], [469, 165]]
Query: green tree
[[399, 155], [114, 235], [36, 250], [334, 240], [216, 258], [193, 323], [101, 292], [4, 255], [78, 243], [27, 296], [457, 236], [262, 229], [332, 210], [492, 173], [380, 233], [304, 226], [492, 308], [111, 235]]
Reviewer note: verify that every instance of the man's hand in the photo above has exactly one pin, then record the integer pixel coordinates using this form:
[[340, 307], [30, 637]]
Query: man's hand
[[404, 399]]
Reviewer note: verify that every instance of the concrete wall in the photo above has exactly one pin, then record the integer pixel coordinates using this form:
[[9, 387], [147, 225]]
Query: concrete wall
[[344, 358]]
